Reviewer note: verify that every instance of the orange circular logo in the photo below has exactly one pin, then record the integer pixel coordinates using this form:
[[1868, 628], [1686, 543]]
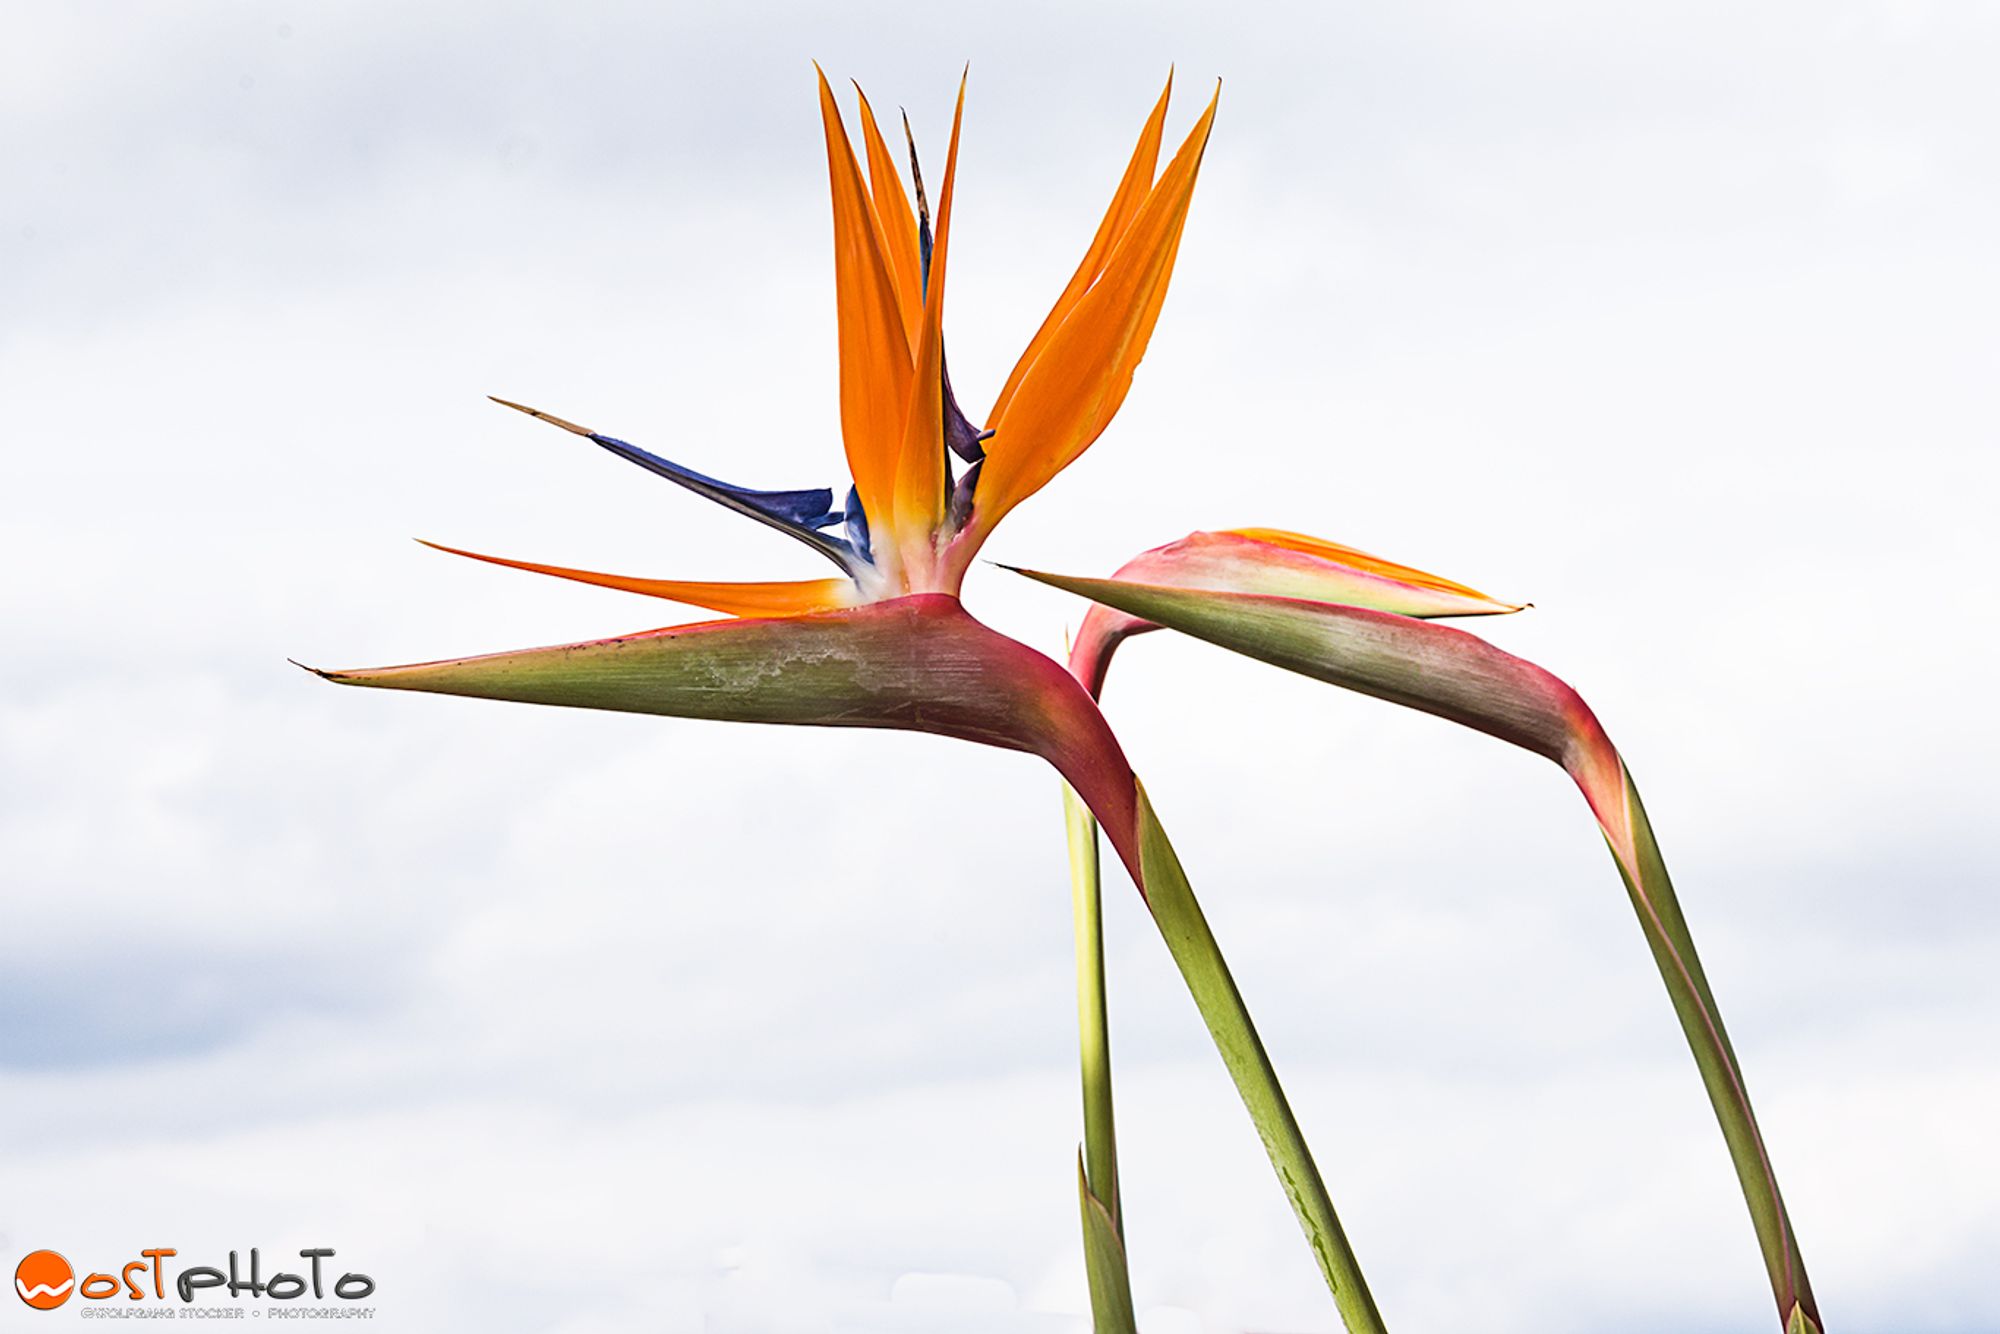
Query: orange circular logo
[[44, 1280]]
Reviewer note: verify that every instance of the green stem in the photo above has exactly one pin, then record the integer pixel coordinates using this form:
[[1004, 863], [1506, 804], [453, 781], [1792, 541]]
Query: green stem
[[1100, 1135], [1672, 945], [1097, 1166], [1195, 951]]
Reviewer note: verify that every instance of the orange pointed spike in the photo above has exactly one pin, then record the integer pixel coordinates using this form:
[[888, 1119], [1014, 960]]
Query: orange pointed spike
[[1076, 385], [784, 598], [874, 351], [1132, 190], [898, 224]]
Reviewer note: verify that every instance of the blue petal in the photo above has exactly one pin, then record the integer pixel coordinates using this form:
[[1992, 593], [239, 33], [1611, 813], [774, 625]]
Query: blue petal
[[808, 508], [799, 513], [857, 522], [959, 434], [962, 495]]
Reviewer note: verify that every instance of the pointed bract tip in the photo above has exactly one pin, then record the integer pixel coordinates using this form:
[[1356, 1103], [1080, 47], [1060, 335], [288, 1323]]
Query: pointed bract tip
[[539, 415], [322, 675]]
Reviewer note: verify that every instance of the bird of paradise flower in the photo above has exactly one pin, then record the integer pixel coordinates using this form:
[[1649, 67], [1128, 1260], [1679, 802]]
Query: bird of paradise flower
[[1317, 608], [888, 643]]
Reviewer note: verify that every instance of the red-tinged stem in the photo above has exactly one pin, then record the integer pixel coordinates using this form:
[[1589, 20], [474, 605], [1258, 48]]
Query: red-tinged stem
[[1103, 630]]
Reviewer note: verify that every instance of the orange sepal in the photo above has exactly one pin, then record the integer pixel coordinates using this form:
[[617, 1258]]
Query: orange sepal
[[1132, 190], [898, 223], [1474, 602], [782, 598], [1079, 381], [874, 351]]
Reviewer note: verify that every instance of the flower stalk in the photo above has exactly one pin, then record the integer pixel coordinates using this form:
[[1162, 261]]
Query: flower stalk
[[1100, 1132], [1097, 1162], [1171, 900]]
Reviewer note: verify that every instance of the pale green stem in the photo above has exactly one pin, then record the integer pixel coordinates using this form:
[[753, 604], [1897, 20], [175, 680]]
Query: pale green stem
[[1100, 1134], [1097, 1166]]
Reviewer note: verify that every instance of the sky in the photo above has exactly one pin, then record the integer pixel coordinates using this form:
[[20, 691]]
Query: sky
[[1676, 321]]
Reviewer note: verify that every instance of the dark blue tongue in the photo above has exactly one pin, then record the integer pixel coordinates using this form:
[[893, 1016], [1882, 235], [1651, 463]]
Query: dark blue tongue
[[800, 514]]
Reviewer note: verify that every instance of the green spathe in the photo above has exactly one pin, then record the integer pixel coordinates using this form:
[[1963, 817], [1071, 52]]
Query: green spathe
[[917, 663]]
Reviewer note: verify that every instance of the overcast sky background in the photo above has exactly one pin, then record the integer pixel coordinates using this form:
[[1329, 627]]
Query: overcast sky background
[[1677, 321]]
